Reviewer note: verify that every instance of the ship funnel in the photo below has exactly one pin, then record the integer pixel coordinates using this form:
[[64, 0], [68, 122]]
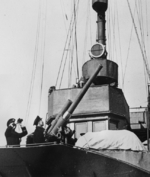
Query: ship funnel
[[98, 50], [98, 53], [100, 6]]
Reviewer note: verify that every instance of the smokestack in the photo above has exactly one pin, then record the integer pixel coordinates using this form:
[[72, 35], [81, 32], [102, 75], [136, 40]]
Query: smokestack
[[100, 6], [98, 53]]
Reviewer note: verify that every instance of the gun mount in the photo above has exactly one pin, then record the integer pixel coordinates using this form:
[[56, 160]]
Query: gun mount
[[62, 120], [53, 123]]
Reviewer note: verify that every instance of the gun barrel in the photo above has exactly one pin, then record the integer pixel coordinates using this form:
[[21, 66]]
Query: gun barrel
[[63, 119], [62, 111], [83, 91]]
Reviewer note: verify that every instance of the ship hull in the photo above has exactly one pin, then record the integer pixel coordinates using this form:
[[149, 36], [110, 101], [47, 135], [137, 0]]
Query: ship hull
[[59, 160]]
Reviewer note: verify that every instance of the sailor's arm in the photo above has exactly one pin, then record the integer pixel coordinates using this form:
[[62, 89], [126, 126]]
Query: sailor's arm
[[23, 133]]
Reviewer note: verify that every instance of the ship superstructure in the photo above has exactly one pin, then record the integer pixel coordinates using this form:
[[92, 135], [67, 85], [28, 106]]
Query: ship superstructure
[[104, 106]]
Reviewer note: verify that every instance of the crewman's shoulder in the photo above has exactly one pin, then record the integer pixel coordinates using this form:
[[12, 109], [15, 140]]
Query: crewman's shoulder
[[39, 129]]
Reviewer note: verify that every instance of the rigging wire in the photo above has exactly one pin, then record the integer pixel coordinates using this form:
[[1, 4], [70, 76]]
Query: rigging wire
[[140, 18], [143, 54], [86, 32], [147, 37], [75, 21], [127, 57], [72, 65], [147, 26], [74, 45], [34, 65], [63, 53], [71, 62], [90, 25], [146, 80], [71, 50], [114, 36], [141, 25], [128, 52], [109, 33], [65, 60], [113, 32], [43, 55], [119, 40], [69, 32], [66, 55], [64, 14], [74, 42]]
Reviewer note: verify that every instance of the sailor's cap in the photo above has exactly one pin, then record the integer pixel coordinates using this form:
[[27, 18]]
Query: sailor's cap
[[37, 119], [10, 121]]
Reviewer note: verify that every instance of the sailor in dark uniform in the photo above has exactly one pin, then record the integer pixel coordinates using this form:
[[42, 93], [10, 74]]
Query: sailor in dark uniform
[[13, 137], [38, 136]]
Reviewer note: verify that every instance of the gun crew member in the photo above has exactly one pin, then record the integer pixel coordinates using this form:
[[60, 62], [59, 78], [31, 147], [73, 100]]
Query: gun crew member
[[38, 136], [12, 136]]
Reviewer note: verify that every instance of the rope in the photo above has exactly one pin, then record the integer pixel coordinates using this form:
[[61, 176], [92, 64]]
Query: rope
[[86, 36], [114, 36], [63, 52], [109, 33], [146, 81], [71, 64], [147, 24], [75, 21], [90, 24], [127, 58], [34, 65], [64, 14], [43, 56], [64, 49], [119, 40], [127, 53], [72, 53], [143, 55], [140, 18], [66, 57]]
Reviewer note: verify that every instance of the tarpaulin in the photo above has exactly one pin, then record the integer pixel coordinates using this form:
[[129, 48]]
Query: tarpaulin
[[111, 139]]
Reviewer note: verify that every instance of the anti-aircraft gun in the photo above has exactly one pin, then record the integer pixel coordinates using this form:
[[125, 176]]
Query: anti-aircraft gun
[[55, 129]]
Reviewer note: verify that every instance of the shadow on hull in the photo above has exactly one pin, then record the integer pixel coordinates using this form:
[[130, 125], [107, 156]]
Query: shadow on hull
[[55, 160]]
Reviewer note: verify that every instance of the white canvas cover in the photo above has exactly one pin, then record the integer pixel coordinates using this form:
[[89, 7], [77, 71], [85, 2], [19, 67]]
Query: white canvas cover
[[111, 139]]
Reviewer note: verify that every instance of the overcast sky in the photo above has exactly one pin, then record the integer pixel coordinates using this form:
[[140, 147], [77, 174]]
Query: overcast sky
[[18, 30]]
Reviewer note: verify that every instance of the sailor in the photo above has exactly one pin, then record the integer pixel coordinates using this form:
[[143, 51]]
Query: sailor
[[38, 136], [12, 136], [67, 134]]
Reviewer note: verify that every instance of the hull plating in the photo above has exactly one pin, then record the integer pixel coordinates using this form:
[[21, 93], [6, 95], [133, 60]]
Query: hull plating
[[60, 160]]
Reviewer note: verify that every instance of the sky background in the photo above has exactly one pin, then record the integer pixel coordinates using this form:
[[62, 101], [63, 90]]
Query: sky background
[[18, 32]]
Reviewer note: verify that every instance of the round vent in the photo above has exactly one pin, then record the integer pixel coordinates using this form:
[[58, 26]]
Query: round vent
[[97, 50]]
